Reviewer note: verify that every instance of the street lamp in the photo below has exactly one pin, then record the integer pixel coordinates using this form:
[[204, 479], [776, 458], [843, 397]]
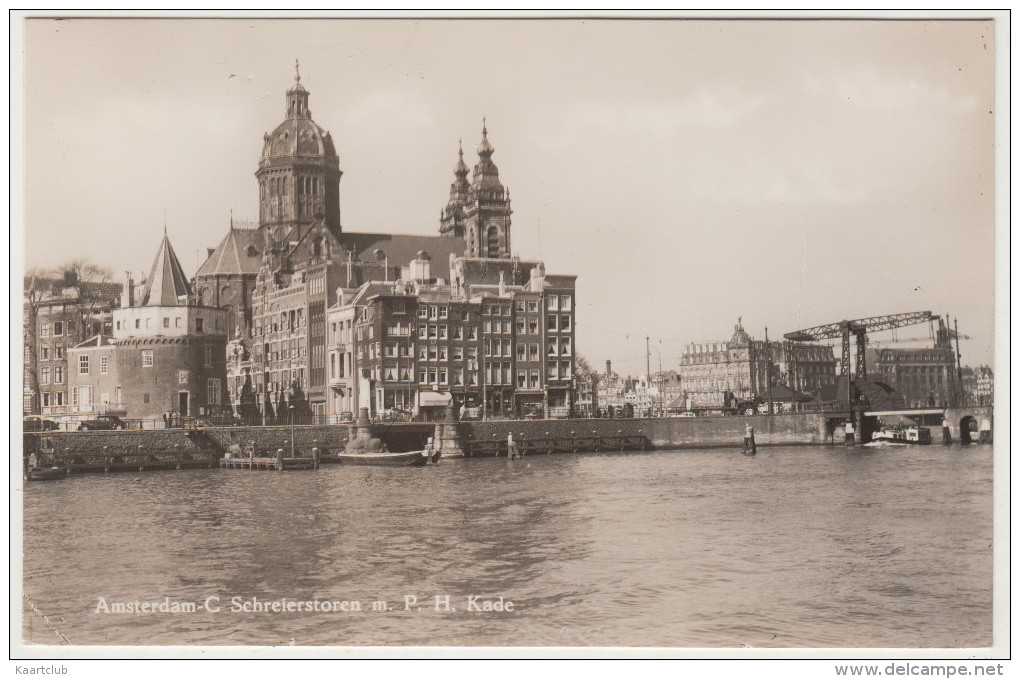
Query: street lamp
[[290, 407]]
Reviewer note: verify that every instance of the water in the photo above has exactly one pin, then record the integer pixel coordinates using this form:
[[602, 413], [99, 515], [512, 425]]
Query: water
[[800, 546]]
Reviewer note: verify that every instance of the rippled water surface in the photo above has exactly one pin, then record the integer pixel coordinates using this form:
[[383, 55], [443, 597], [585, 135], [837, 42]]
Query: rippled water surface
[[805, 546]]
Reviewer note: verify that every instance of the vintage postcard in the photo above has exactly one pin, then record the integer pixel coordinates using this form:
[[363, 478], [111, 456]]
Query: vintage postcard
[[653, 335]]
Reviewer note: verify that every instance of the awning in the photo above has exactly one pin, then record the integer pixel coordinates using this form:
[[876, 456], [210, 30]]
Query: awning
[[433, 398]]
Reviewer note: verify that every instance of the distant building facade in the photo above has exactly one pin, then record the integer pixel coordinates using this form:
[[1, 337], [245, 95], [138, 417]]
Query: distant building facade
[[59, 314], [924, 376], [720, 374]]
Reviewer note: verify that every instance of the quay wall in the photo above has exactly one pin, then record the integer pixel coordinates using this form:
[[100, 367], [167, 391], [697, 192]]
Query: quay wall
[[668, 432], [211, 442], [672, 432]]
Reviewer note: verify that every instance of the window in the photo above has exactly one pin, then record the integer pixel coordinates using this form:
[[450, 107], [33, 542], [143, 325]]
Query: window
[[214, 391], [442, 331], [522, 379], [535, 384], [58, 398], [45, 400], [45, 353], [458, 353], [532, 352], [105, 399], [46, 330], [58, 328], [83, 364], [522, 352], [520, 326], [564, 346], [177, 322], [423, 352], [145, 398], [532, 326], [423, 375], [58, 375], [443, 312], [433, 312], [183, 376], [565, 302], [423, 312], [552, 348], [166, 321], [104, 365], [519, 305], [565, 323], [146, 359], [565, 369], [423, 331], [44, 376], [551, 373], [533, 306], [208, 357], [553, 303], [148, 322], [442, 376], [552, 322], [442, 353], [138, 323], [199, 322]]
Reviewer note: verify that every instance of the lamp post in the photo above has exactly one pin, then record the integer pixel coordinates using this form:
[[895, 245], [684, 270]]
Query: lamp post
[[658, 379], [290, 406]]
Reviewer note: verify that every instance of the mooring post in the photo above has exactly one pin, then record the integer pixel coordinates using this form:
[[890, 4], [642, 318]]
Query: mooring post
[[141, 455], [279, 459], [177, 455], [315, 457]]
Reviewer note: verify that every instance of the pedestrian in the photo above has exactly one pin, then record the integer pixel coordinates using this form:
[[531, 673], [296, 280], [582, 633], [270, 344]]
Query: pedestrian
[[848, 433]]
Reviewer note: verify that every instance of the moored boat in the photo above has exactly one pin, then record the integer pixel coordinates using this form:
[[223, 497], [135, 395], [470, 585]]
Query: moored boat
[[902, 436], [414, 458], [46, 473]]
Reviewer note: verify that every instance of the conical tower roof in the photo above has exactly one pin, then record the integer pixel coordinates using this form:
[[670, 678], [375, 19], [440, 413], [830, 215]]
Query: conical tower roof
[[167, 284]]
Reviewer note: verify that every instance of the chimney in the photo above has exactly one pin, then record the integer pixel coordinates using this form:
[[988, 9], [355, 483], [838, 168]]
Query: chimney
[[537, 283], [609, 367], [130, 289]]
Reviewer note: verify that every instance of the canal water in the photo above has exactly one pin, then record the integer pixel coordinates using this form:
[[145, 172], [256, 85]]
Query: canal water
[[797, 547]]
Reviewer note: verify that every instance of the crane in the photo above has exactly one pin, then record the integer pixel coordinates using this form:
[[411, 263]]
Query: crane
[[859, 328]]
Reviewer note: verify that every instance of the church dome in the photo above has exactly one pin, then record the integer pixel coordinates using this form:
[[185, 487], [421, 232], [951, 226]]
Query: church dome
[[298, 136]]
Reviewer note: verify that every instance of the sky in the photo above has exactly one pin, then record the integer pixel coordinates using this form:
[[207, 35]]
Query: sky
[[690, 173]]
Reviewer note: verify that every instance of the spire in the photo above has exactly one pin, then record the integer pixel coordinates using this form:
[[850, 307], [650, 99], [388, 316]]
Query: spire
[[485, 148], [461, 170], [167, 283], [297, 70]]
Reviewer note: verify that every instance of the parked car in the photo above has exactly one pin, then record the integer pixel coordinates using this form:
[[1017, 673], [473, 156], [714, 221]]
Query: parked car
[[688, 414], [39, 424], [102, 422]]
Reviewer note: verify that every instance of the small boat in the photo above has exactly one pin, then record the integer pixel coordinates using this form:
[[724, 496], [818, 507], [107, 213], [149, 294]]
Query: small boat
[[414, 458], [47, 473], [902, 436]]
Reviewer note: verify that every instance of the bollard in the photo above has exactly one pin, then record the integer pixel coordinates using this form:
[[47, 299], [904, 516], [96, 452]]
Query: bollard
[[177, 455], [141, 467], [619, 432], [315, 457], [279, 459]]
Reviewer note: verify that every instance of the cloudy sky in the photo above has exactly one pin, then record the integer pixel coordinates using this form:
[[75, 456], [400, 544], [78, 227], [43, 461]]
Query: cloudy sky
[[791, 173]]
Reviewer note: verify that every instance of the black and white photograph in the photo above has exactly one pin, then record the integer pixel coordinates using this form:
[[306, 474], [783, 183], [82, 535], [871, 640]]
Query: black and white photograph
[[437, 335]]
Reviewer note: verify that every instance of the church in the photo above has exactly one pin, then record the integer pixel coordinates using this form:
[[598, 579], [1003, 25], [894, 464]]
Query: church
[[278, 280]]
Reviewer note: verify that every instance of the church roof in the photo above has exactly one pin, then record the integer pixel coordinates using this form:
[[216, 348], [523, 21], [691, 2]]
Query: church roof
[[402, 248], [239, 253], [166, 284]]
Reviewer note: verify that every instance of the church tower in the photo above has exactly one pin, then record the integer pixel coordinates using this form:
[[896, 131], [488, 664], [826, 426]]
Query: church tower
[[299, 175], [480, 211]]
